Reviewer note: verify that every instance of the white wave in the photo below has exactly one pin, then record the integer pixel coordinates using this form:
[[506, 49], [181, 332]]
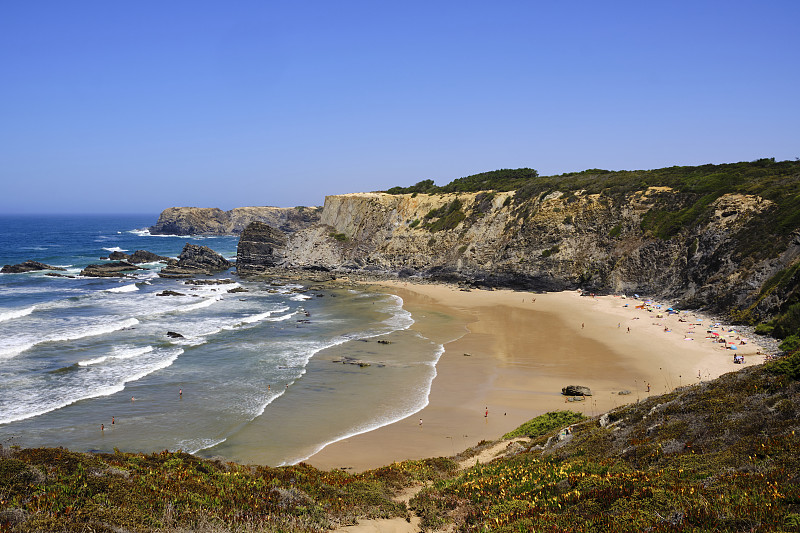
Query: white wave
[[263, 316], [115, 249], [401, 318], [95, 330], [199, 305], [16, 346], [125, 288], [300, 297], [16, 313], [87, 383], [15, 349], [281, 318], [95, 361], [145, 232], [193, 446], [126, 353]]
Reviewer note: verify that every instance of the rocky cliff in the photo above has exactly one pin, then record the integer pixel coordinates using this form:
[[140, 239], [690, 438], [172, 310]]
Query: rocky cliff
[[564, 240], [213, 221]]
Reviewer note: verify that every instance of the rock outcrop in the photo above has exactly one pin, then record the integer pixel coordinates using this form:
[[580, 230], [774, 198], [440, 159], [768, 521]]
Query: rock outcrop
[[110, 270], [260, 246], [555, 241], [139, 256], [196, 261], [214, 221], [27, 266]]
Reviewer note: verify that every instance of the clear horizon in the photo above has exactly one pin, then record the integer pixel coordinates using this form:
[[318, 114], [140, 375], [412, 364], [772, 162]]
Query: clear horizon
[[115, 108]]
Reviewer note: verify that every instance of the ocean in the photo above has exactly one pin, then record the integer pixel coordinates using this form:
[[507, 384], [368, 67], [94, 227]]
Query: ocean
[[255, 376]]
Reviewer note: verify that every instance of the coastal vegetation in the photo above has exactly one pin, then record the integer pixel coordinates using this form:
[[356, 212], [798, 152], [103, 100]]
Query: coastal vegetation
[[718, 455]]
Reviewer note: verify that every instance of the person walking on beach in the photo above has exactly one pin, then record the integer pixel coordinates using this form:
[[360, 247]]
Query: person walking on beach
[[486, 414], [180, 393], [420, 421]]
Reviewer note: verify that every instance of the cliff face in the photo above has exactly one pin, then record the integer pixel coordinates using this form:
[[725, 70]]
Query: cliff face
[[558, 241], [213, 221]]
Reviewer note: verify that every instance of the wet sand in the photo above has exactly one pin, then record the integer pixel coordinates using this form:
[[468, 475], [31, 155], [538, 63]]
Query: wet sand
[[519, 350]]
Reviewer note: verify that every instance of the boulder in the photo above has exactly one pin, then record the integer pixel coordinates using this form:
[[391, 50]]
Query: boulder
[[109, 270], [170, 293], [27, 266], [196, 261], [174, 335], [576, 390]]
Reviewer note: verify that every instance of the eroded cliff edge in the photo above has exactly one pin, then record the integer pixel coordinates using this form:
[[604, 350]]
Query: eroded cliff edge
[[561, 240], [214, 221]]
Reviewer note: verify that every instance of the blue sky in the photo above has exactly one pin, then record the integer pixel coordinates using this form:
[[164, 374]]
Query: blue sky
[[138, 106]]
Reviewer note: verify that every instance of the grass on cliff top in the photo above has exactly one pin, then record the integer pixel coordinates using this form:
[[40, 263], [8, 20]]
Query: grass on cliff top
[[717, 456], [778, 181]]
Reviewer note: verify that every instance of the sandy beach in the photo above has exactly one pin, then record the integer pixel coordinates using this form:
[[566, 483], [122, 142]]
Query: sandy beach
[[517, 352]]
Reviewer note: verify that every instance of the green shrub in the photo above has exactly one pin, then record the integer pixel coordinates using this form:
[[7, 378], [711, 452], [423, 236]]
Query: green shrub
[[615, 231], [545, 423], [789, 365], [790, 343], [414, 224], [341, 237], [550, 251]]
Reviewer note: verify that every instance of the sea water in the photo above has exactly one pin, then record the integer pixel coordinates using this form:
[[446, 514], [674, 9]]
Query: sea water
[[255, 376]]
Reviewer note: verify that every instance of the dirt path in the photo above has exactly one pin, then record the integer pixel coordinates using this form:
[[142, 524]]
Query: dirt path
[[389, 525], [401, 525]]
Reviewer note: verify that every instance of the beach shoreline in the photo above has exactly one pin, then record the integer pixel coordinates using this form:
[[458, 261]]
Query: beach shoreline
[[517, 352]]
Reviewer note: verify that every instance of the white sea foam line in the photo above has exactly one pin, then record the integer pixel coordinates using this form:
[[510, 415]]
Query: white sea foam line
[[281, 318], [71, 336], [146, 233], [300, 297], [118, 354], [115, 249], [264, 316], [16, 313], [125, 288], [383, 421], [62, 399], [193, 446], [200, 305]]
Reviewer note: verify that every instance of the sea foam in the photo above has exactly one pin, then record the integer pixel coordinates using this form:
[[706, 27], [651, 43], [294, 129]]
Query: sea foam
[[16, 313], [92, 382], [124, 288]]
